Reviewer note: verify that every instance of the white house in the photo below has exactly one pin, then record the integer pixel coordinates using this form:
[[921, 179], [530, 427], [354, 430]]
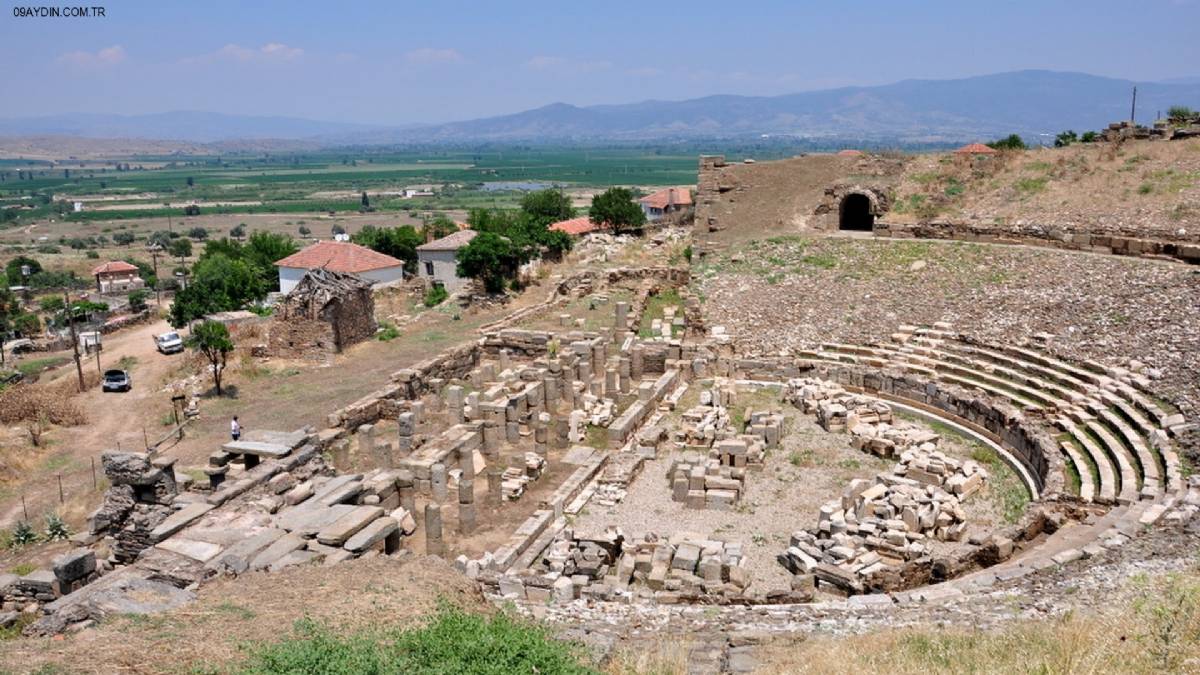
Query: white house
[[665, 201], [339, 256], [437, 260]]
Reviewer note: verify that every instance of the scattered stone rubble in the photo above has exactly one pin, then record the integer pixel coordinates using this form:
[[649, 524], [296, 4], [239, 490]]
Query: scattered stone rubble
[[712, 482], [683, 567], [893, 519], [515, 478]]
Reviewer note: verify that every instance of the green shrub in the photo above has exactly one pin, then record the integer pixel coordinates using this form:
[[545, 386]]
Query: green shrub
[[436, 295], [22, 535], [1145, 189], [387, 331], [56, 528], [453, 641]]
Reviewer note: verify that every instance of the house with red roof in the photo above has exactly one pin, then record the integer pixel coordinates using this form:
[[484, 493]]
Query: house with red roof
[[339, 256], [117, 276], [665, 201], [576, 227], [975, 149]]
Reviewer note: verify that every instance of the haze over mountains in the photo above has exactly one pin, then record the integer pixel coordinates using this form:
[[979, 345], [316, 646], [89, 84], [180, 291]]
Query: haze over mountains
[[1029, 102]]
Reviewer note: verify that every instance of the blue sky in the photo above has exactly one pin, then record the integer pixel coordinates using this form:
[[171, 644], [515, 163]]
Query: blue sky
[[402, 62]]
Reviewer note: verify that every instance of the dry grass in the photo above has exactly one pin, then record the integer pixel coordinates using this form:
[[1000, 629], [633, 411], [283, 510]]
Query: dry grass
[[210, 633], [652, 657], [1157, 632]]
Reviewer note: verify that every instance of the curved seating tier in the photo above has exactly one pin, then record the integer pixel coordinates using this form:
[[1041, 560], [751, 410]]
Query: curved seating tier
[[1112, 430]]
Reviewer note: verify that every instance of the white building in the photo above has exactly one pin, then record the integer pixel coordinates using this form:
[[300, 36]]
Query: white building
[[339, 256], [438, 260]]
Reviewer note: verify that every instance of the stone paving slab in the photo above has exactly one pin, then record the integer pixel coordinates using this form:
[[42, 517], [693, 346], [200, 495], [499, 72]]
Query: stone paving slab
[[196, 550], [179, 520], [340, 530], [256, 448]]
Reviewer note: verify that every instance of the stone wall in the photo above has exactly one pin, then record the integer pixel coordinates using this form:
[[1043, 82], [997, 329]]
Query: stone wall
[[739, 201], [1121, 241], [323, 315]]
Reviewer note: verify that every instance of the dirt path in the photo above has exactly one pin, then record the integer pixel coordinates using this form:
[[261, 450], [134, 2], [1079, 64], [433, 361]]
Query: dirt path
[[114, 419]]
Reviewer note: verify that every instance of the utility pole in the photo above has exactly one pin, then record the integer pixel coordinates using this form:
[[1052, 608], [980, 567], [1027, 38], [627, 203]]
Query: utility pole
[[74, 339], [1133, 108], [157, 292]]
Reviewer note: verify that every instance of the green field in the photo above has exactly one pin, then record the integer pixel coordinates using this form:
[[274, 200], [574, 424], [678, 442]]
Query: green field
[[301, 182]]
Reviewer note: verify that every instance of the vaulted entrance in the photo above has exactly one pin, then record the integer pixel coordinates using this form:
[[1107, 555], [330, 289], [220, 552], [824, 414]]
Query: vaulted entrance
[[855, 213]]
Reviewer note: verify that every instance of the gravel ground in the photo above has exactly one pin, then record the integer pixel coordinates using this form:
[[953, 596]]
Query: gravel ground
[[793, 293], [811, 467]]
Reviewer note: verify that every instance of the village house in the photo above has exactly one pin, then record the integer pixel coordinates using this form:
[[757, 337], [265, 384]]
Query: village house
[[117, 276], [437, 261], [576, 227], [665, 201], [339, 256]]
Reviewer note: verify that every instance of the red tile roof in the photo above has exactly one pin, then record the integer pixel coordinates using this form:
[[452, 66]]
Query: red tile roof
[[660, 199], [975, 149], [114, 267], [850, 153], [339, 256], [451, 242], [576, 226]]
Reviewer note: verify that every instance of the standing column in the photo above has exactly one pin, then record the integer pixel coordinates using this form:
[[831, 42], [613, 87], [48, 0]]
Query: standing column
[[406, 423], [434, 545], [454, 401], [621, 312], [408, 491], [466, 506], [437, 480], [494, 478]]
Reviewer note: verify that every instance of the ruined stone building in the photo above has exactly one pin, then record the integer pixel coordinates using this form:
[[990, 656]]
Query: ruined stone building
[[325, 313]]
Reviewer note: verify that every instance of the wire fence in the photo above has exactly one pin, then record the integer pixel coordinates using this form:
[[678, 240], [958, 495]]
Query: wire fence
[[70, 494]]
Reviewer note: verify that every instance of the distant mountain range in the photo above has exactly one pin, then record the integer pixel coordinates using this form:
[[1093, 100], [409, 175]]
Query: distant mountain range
[[1028, 102]]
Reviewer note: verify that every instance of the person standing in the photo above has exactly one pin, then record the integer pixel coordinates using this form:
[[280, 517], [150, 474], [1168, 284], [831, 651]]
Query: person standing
[[235, 429]]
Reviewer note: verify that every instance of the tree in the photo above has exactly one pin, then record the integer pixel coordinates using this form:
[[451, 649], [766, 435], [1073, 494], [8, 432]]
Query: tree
[[211, 339], [304, 231], [398, 242], [180, 248], [198, 233], [1088, 137], [1065, 138], [238, 232], [615, 208], [366, 203], [1181, 113], [489, 258], [191, 210], [440, 226], [337, 229], [1010, 142], [137, 300], [162, 238], [9, 308], [191, 181], [218, 284], [123, 238], [13, 269], [263, 250], [547, 207]]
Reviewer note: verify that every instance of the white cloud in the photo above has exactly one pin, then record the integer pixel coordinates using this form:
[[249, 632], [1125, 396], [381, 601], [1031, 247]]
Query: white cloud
[[565, 65], [107, 57], [272, 52], [430, 55], [645, 72]]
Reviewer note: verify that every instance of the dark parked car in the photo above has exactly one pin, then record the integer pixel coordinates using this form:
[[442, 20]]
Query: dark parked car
[[117, 380]]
